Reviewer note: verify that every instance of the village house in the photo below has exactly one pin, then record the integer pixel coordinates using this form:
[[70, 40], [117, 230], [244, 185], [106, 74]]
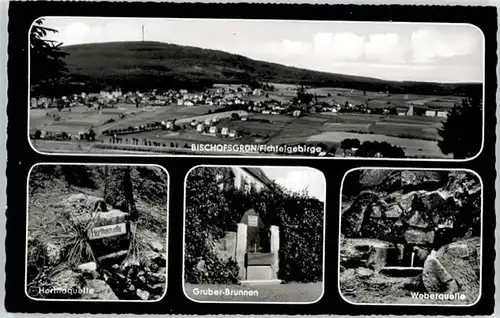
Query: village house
[[402, 111], [117, 93], [200, 128], [244, 178], [183, 91], [224, 131], [233, 134], [213, 130], [188, 103]]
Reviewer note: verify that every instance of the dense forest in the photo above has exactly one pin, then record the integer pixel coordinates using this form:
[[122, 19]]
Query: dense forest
[[147, 65]]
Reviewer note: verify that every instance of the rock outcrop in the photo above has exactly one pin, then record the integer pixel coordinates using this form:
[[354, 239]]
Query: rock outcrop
[[454, 267], [424, 206], [369, 253], [423, 225]]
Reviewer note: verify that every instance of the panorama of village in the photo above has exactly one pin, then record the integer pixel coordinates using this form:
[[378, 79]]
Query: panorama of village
[[241, 120], [230, 95]]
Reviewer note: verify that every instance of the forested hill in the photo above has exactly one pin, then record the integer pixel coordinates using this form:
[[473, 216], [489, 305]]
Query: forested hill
[[144, 65]]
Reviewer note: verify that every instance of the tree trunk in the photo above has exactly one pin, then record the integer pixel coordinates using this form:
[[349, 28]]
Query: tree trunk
[[118, 191]]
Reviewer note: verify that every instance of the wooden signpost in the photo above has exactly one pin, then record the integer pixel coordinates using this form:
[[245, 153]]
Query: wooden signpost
[[107, 231]]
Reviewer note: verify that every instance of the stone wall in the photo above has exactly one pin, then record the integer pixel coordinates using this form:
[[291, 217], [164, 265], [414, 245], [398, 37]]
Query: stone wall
[[422, 208]]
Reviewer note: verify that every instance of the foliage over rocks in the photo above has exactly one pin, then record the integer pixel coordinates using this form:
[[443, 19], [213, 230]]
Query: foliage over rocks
[[404, 200], [62, 207], [406, 221]]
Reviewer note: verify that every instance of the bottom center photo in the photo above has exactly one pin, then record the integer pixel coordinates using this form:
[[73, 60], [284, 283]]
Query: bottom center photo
[[254, 234]]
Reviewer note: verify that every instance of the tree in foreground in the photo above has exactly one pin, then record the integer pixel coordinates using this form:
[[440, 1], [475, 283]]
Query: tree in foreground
[[461, 132], [118, 190], [46, 57]]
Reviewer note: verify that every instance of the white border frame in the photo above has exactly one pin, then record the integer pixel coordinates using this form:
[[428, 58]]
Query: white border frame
[[251, 156], [251, 302], [481, 237], [97, 300]]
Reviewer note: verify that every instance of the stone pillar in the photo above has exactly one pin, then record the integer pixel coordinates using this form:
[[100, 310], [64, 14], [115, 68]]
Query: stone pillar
[[241, 249], [275, 247]]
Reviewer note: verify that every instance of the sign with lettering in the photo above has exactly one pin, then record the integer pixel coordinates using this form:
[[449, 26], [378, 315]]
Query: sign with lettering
[[107, 231], [253, 220]]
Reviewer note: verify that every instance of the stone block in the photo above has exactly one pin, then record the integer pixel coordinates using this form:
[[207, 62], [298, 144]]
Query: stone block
[[420, 178], [259, 272], [393, 211], [434, 275], [376, 212], [419, 237], [364, 272], [241, 248], [432, 201], [416, 220], [406, 201], [88, 269], [460, 250]]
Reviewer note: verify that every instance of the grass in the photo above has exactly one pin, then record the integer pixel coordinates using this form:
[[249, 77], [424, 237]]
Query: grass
[[135, 255], [412, 147], [278, 128], [293, 292]]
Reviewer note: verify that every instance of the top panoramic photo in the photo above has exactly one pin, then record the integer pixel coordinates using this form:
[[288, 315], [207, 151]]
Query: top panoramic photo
[[256, 88]]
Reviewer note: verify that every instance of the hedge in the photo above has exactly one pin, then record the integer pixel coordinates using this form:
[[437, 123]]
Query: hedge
[[211, 211]]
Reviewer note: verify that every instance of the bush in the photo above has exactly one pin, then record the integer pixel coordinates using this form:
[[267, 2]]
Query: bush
[[372, 148], [213, 270], [212, 211], [350, 143], [38, 134]]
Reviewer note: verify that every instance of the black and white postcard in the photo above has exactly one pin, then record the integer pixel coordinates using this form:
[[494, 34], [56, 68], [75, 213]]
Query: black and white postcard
[[250, 159]]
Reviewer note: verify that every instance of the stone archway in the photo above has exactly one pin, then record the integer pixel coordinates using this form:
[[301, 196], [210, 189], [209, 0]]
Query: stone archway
[[257, 250]]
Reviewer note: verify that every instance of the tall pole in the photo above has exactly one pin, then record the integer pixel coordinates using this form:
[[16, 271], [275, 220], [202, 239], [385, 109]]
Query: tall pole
[[143, 33]]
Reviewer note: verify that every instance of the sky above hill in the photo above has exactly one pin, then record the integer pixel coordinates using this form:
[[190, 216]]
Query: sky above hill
[[391, 51], [298, 179]]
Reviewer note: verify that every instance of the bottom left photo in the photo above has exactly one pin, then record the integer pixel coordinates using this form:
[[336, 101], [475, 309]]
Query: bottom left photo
[[97, 232]]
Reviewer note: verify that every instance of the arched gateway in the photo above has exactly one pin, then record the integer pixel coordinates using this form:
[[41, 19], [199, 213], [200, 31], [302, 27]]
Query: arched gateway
[[257, 250]]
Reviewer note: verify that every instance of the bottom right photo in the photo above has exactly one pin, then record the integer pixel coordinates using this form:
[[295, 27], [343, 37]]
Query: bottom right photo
[[410, 237]]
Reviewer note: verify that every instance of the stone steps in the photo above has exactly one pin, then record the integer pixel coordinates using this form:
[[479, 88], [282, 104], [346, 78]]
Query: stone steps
[[259, 282]]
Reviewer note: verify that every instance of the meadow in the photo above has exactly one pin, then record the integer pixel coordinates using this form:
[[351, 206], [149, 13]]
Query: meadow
[[417, 135]]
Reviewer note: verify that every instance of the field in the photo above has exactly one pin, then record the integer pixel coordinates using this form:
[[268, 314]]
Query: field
[[293, 292], [417, 135]]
